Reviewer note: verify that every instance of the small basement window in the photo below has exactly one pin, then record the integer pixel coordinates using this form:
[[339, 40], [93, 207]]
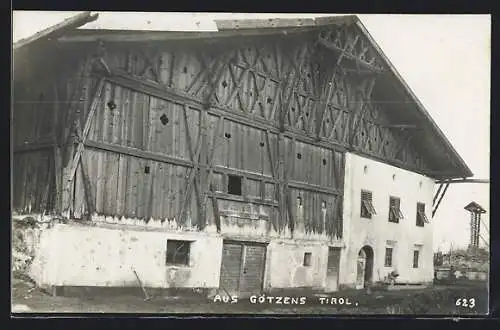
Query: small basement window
[[234, 185], [394, 210], [421, 217], [367, 209], [178, 252], [307, 259]]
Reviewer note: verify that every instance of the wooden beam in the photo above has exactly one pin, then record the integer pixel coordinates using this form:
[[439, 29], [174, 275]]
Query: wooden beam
[[86, 129], [243, 199], [313, 187], [402, 146], [440, 199], [162, 36], [239, 172], [35, 146], [67, 24], [133, 152], [193, 175], [293, 86], [437, 193], [330, 45], [215, 207], [464, 181]]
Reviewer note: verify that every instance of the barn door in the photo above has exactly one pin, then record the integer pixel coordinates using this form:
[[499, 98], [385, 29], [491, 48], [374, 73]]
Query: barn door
[[242, 268], [332, 269]]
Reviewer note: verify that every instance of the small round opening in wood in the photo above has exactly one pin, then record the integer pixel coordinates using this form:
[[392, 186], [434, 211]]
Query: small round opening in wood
[[299, 155], [111, 105], [164, 119], [227, 135]]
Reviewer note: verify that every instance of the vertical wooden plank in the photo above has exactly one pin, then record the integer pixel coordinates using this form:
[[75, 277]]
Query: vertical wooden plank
[[79, 194], [170, 190], [101, 173], [112, 169], [131, 187], [116, 115], [148, 177], [203, 120]]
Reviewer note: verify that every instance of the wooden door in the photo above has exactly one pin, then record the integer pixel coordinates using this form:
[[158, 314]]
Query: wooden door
[[361, 268], [332, 269], [242, 268]]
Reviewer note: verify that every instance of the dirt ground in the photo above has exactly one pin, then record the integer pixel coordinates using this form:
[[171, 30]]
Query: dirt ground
[[438, 300]]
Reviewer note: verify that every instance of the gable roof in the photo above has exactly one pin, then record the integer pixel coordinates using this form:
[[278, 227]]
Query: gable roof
[[432, 138]]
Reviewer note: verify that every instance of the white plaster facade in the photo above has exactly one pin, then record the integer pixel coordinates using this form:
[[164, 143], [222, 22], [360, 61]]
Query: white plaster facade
[[72, 255], [384, 181]]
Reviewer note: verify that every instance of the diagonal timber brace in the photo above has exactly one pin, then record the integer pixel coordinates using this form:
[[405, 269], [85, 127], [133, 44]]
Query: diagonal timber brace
[[86, 130], [330, 83], [355, 123], [439, 197]]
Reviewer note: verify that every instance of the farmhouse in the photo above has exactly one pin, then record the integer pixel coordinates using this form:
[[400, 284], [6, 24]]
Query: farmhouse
[[269, 154]]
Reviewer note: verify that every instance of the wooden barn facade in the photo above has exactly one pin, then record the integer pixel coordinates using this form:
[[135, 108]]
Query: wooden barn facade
[[213, 159]]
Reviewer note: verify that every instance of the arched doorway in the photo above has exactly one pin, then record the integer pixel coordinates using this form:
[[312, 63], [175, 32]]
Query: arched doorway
[[364, 267]]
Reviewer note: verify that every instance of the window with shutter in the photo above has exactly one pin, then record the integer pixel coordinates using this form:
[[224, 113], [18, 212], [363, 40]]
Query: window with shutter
[[421, 217], [367, 209], [395, 213]]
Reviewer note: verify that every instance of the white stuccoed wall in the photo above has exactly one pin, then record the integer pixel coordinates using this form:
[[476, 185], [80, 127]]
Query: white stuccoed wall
[[376, 231], [72, 255], [285, 268]]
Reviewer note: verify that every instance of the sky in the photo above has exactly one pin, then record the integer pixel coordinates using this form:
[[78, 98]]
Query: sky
[[445, 59]]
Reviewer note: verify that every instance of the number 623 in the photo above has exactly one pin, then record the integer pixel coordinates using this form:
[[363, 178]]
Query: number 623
[[463, 302]]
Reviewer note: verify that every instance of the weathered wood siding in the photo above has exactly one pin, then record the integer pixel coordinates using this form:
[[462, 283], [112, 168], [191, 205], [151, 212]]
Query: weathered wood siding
[[174, 120]]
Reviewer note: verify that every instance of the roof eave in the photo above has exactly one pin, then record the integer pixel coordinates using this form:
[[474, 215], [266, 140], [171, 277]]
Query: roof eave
[[58, 29], [466, 172]]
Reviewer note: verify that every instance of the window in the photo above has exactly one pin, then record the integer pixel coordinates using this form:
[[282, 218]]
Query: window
[[367, 209], [178, 252], [307, 259], [388, 257], [394, 210], [416, 254], [234, 185], [421, 217]]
